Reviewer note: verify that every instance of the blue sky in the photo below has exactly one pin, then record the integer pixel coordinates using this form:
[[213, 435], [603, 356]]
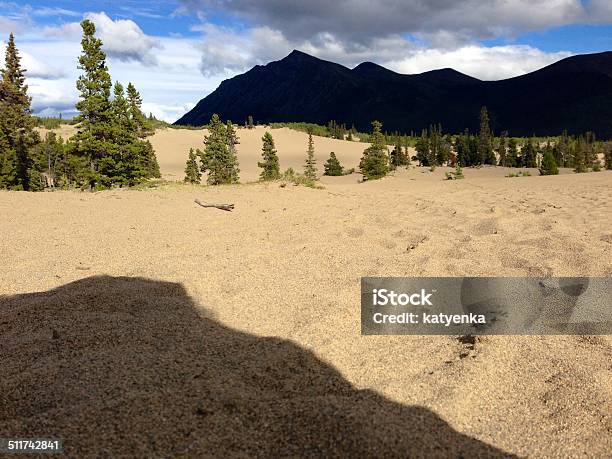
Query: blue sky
[[178, 51]]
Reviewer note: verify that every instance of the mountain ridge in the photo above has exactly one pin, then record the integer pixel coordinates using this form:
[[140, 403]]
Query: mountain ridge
[[573, 94]]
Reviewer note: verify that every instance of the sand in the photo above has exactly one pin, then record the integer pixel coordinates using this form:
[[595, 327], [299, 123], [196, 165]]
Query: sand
[[138, 323]]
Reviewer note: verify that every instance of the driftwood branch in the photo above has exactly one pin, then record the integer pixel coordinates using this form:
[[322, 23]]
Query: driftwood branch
[[228, 207]]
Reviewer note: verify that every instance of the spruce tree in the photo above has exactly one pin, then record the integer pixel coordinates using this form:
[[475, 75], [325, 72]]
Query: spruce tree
[[529, 154], [17, 135], [310, 169], [485, 145], [93, 141], [232, 140], [270, 165], [140, 124], [422, 149], [192, 170], [607, 148], [512, 155], [502, 152], [217, 159], [332, 166], [549, 165], [374, 163], [398, 157]]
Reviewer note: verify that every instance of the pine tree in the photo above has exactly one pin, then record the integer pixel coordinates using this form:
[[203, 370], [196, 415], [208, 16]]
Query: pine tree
[[93, 142], [398, 157], [250, 124], [512, 158], [562, 151], [217, 159], [485, 146], [607, 148], [17, 135], [422, 149], [140, 124], [270, 165], [580, 155], [232, 140], [310, 169], [192, 171], [374, 163], [501, 149], [529, 154], [333, 167], [549, 165]]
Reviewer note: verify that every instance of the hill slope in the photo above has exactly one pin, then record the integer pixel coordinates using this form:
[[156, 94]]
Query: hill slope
[[573, 94]]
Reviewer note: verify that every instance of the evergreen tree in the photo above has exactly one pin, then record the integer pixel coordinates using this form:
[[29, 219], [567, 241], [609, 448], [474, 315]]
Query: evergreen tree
[[374, 163], [562, 151], [93, 140], [398, 157], [485, 145], [607, 148], [232, 141], [422, 149], [549, 165], [142, 127], [580, 155], [529, 154], [333, 167], [217, 159], [501, 149], [17, 135], [270, 165], [310, 169], [250, 124], [512, 155], [192, 171]]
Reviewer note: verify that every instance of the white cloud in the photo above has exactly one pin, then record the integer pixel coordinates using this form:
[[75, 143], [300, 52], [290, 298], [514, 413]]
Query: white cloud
[[485, 63], [34, 67], [361, 20], [123, 39]]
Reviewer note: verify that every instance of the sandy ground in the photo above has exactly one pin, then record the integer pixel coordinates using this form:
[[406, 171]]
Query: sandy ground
[[165, 329]]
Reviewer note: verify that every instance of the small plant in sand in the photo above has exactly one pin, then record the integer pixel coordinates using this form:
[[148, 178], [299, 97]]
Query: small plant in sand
[[192, 170], [549, 165], [310, 169], [270, 165], [332, 166], [456, 175], [297, 179]]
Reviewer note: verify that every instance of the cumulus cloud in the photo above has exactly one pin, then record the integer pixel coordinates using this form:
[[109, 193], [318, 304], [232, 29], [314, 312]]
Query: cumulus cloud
[[123, 39], [485, 63], [35, 68], [227, 52], [408, 36], [360, 20]]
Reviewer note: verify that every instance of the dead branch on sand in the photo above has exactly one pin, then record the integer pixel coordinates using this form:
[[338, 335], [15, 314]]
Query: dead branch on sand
[[228, 207]]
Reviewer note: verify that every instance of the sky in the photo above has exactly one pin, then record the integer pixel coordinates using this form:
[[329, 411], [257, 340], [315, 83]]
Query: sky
[[178, 51]]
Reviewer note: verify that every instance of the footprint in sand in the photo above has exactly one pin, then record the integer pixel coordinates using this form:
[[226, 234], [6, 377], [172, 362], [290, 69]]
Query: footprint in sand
[[355, 232], [486, 227]]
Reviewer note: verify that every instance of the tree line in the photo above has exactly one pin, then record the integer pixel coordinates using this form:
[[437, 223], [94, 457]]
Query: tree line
[[109, 148]]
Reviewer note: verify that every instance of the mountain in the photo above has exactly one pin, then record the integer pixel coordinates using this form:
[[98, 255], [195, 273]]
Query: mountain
[[574, 94]]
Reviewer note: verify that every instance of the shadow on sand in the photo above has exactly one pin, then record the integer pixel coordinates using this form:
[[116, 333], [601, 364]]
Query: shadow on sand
[[119, 366]]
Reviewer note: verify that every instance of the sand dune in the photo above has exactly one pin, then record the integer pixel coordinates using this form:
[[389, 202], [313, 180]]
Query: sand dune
[[239, 333]]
